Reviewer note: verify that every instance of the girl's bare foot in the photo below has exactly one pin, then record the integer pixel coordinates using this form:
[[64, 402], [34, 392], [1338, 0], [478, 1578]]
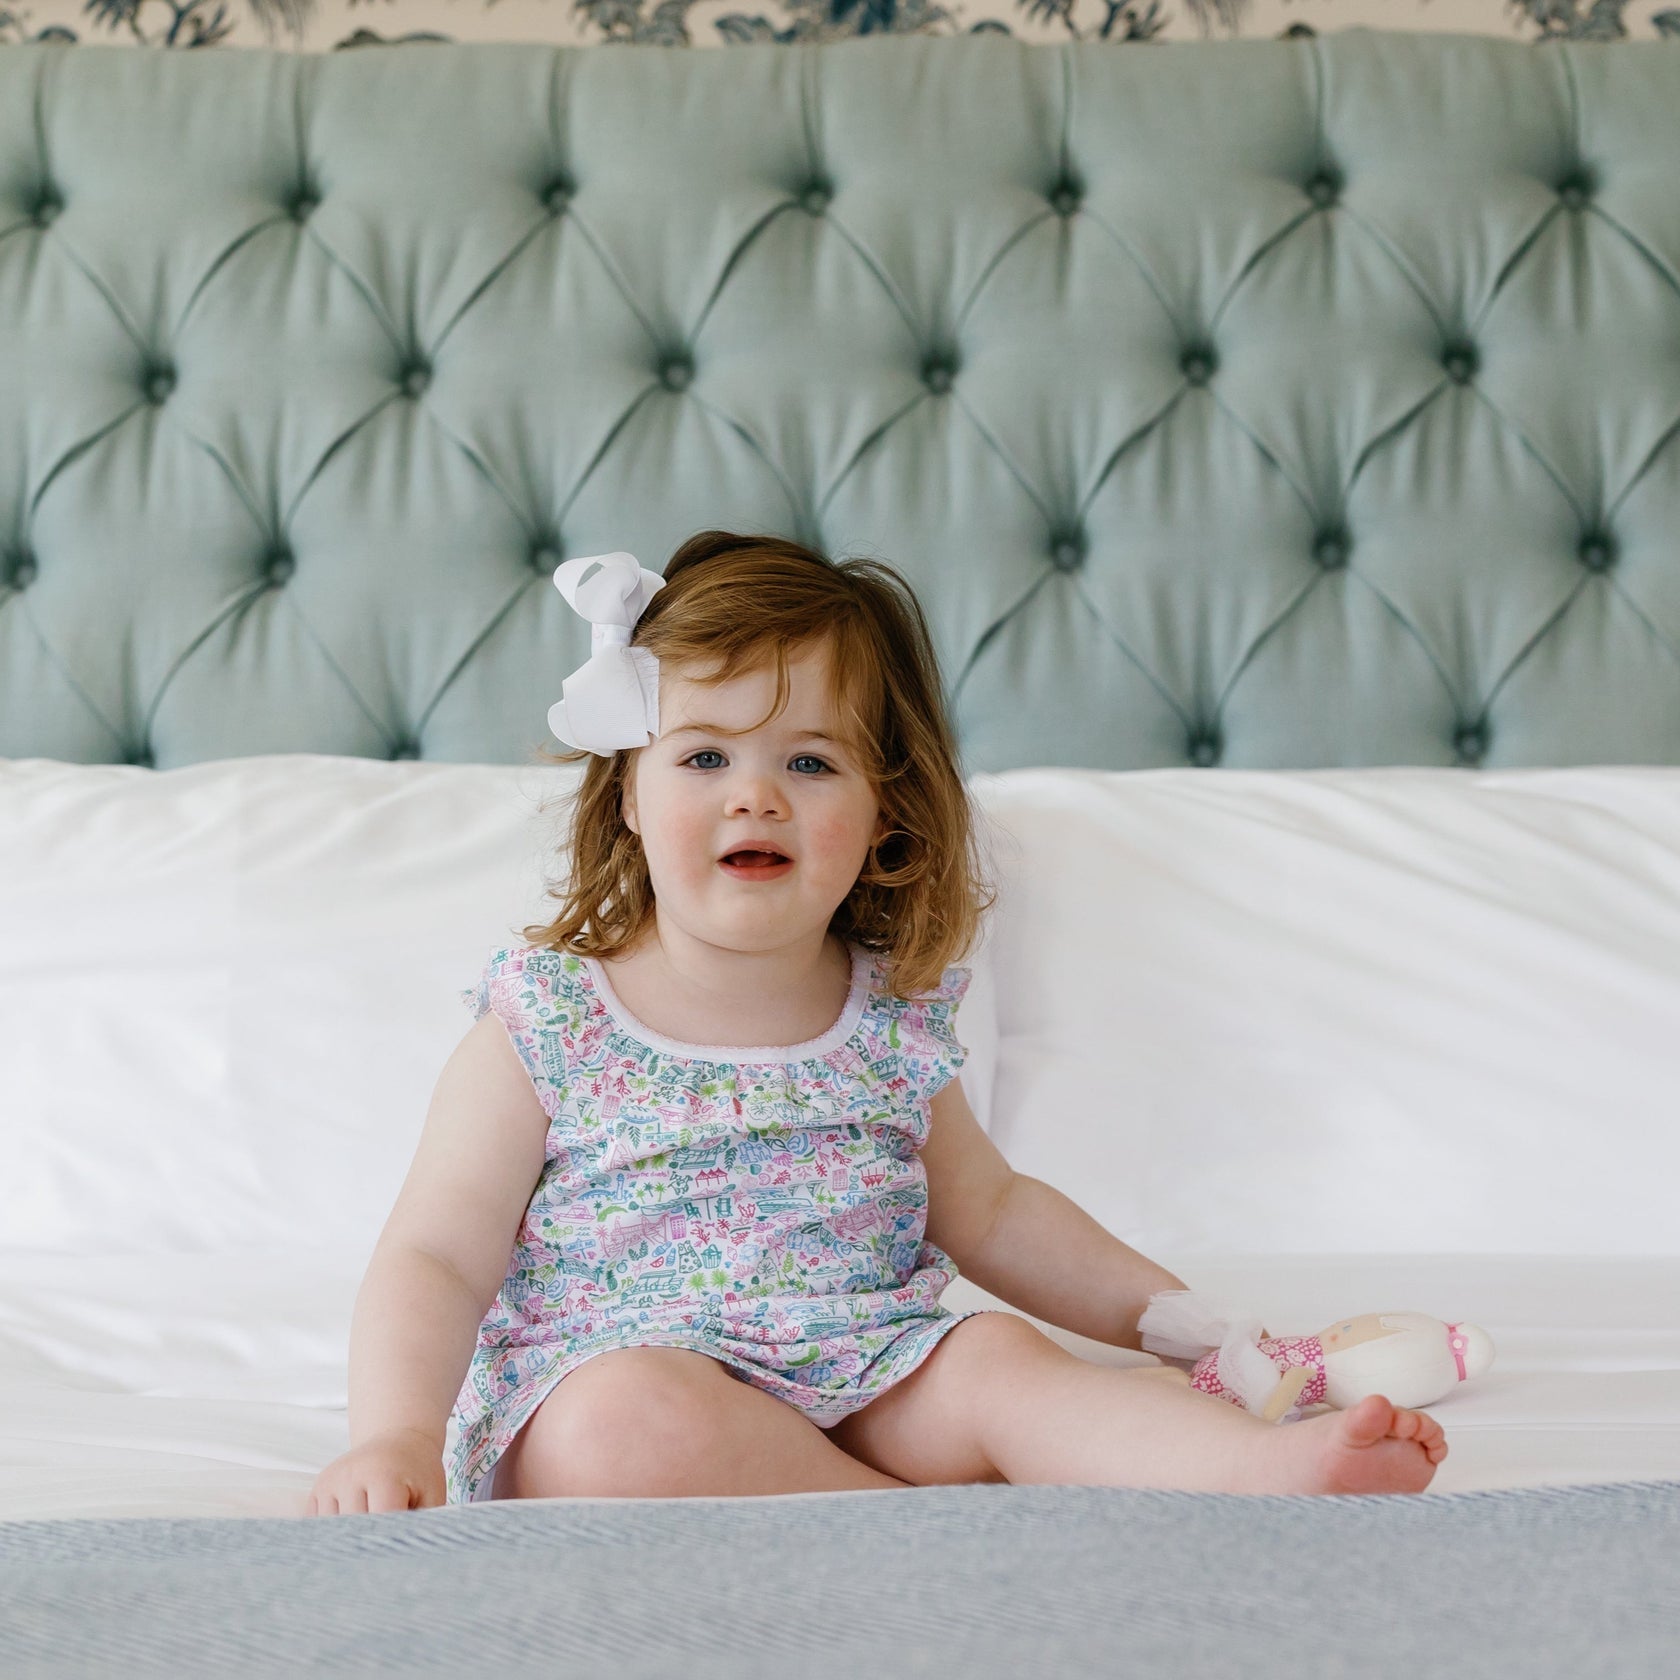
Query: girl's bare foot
[[1373, 1447]]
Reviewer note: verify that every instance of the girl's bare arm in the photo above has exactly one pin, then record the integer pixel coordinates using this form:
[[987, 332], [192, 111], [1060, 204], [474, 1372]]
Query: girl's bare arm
[[444, 1250], [1025, 1242]]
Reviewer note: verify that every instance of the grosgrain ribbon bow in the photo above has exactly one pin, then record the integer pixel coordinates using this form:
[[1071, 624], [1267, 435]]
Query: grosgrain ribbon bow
[[612, 699]]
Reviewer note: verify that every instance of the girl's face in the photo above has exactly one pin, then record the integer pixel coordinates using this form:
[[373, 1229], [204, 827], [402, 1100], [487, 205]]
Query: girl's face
[[696, 796]]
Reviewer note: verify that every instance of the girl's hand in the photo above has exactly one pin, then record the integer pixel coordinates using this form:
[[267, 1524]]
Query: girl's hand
[[401, 1470]]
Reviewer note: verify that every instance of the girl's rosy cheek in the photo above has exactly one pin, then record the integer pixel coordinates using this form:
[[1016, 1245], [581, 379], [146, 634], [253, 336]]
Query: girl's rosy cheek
[[838, 835]]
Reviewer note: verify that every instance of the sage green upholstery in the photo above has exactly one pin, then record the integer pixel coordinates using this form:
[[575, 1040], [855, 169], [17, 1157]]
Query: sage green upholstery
[[1255, 404]]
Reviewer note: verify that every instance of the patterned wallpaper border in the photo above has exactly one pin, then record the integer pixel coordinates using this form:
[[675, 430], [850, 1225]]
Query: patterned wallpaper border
[[329, 25]]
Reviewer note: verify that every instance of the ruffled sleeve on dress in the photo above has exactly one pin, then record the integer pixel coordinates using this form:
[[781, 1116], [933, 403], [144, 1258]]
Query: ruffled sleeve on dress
[[520, 997], [477, 996], [929, 1048]]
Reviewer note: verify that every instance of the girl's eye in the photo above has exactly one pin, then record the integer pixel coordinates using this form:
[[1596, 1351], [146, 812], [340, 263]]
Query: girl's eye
[[712, 752]]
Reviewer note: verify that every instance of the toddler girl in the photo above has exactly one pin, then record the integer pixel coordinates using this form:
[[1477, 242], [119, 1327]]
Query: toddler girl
[[690, 1190]]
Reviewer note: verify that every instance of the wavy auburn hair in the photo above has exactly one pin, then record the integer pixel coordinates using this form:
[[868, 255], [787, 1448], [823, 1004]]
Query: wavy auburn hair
[[736, 604]]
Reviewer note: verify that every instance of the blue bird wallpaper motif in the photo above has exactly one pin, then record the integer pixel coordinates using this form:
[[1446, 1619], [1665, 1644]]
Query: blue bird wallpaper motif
[[330, 25]]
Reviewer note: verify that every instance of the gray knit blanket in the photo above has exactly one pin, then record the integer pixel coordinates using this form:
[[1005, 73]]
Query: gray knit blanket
[[977, 1581]]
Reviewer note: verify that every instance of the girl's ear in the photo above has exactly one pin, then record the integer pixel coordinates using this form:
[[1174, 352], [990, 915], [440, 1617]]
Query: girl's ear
[[627, 798]]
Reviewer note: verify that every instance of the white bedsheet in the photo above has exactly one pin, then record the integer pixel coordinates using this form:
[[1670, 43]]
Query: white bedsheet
[[142, 1394], [1423, 1014]]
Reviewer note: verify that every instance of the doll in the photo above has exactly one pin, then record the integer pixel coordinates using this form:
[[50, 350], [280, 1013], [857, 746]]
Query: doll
[[1408, 1357]]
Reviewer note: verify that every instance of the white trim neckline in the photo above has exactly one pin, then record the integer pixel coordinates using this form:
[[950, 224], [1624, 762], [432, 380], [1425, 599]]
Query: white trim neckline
[[857, 996]]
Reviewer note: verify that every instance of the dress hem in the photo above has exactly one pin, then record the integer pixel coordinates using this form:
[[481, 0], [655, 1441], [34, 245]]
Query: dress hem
[[478, 1490]]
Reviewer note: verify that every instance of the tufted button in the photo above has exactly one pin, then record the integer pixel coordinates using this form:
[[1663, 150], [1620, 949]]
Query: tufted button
[[1066, 197], [1198, 363], [1576, 188], [557, 195], [676, 372], [546, 556], [158, 382], [938, 372], [1067, 552], [1460, 361], [23, 571], [415, 377], [279, 567], [1324, 188], [405, 749], [1204, 748], [1597, 551], [816, 198], [305, 202], [1470, 742], [47, 207], [1330, 549]]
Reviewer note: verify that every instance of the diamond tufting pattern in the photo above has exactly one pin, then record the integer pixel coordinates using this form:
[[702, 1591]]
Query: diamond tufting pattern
[[1242, 403]]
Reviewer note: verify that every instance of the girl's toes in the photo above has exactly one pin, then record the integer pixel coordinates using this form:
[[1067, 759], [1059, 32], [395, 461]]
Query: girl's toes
[[1368, 1421], [1408, 1425], [1421, 1429], [1374, 1448]]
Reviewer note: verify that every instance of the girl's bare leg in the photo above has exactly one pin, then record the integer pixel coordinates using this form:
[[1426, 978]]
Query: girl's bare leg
[[998, 1400], [659, 1421], [1053, 1417]]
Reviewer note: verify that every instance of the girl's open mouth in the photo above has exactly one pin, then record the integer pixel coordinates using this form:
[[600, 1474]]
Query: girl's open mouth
[[755, 866]]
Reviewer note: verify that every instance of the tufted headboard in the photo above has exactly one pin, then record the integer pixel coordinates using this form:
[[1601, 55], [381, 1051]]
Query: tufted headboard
[[1260, 404]]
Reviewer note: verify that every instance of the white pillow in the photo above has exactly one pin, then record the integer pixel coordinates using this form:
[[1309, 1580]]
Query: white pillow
[[1360, 1011], [226, 990]]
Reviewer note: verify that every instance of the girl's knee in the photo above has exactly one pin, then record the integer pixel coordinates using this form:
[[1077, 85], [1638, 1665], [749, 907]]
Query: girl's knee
[[634, 1420], [1006, 1335]]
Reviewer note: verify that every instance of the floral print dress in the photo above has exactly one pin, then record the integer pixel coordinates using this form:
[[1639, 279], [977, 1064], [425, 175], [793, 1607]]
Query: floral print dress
[[762, 1204]]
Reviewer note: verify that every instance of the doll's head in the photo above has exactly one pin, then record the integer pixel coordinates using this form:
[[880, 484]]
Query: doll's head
[[800, 705], [1409, 1356]]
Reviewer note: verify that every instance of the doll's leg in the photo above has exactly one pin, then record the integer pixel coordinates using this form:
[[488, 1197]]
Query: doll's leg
[[999, 1391]]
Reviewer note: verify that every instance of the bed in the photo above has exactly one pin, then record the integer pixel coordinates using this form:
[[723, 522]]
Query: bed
[[1285, 440]]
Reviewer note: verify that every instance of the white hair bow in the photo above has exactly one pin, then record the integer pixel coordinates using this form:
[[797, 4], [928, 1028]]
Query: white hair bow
[[612, 699]]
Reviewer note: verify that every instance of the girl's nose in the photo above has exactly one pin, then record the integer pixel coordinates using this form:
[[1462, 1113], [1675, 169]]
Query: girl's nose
[[759, 793]]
